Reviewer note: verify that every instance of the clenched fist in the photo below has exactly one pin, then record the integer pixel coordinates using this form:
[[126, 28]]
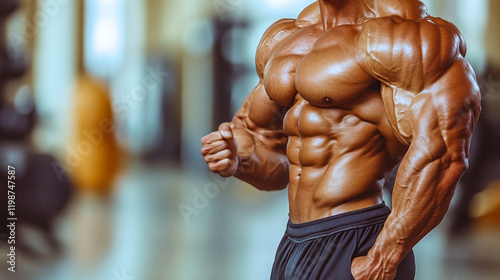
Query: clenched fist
[[220, 151]]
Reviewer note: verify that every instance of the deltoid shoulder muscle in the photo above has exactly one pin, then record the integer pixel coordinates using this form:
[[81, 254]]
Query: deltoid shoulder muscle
[[273, 36], [281, 30], [410, 54], [415, 60], [279, 52]]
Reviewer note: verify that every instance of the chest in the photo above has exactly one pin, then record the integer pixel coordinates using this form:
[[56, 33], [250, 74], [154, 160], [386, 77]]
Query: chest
[[322, 67]]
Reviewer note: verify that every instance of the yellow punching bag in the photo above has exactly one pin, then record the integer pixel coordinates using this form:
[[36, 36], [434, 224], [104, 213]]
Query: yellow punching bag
[[94, 149]]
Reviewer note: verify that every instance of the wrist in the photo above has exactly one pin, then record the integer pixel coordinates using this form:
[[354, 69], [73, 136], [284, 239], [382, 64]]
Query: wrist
[[388, 257], [238, 166]]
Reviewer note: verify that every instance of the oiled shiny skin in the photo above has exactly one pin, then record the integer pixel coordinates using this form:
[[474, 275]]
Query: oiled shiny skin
[[338, 157], [347, 90], [341, 145]]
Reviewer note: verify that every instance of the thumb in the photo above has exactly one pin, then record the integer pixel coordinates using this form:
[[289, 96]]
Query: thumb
[[227, 133]]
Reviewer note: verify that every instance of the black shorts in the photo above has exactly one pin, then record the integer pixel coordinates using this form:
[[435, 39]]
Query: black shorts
[[324, 249]]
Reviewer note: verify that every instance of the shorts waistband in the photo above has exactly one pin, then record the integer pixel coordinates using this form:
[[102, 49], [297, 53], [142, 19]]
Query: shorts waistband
[[375, 214]]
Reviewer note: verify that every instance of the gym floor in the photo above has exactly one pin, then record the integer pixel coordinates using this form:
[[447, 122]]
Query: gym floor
[[166, 223]]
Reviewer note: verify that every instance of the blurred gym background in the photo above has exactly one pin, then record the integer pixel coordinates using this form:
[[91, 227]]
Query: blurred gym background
[[102, 107]]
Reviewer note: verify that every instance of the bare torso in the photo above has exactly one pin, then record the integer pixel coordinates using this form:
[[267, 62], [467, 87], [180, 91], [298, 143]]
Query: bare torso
[[365, 84], [341, 145]]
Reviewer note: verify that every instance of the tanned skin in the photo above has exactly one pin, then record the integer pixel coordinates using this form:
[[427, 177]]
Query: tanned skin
[[365, 84]]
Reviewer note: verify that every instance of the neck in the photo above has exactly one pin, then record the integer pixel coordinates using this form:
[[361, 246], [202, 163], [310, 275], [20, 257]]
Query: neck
[[338, 12]]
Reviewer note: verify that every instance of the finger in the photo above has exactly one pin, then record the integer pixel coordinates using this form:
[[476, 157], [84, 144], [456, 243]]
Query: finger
[[227, 133], [224, 154], [214, 147], [212, 137], [219, 166]]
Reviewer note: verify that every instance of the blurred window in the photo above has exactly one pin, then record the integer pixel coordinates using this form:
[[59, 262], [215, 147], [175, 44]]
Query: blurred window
[[104, 36]]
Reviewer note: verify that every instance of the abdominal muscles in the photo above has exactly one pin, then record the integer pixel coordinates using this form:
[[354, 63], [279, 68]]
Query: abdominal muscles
[[338, 161]]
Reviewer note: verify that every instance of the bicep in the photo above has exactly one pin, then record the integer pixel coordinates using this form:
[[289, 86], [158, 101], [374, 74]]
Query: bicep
[[259, 123], [260, 119], [259, 111]]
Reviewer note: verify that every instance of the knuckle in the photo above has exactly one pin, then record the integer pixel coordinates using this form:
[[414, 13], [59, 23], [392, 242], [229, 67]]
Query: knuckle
[[215, 135], [224, 145], [207, 159], [222, 164], [212, 166], [206, 149], [225, 162], [209, 138], [226, 153], [213, 157], [216, 147]]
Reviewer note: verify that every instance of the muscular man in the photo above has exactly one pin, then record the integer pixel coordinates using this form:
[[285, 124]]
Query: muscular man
[[365, 84]]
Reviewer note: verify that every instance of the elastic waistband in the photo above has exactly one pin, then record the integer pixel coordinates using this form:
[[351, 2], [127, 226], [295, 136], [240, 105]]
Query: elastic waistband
[[346, 221]]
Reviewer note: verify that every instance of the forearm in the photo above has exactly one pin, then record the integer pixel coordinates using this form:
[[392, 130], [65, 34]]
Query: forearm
[[261, 152], [262, 160], [421, 198]]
